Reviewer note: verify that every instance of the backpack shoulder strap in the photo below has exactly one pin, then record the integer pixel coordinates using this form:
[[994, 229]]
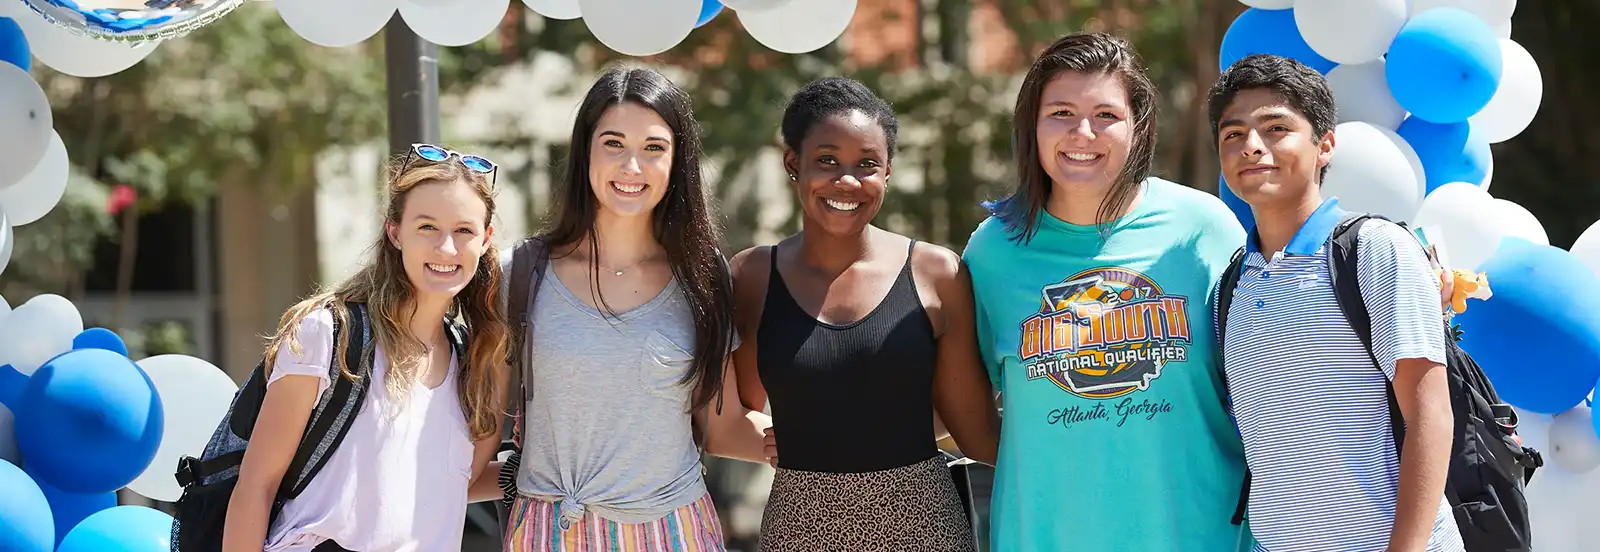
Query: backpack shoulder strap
[[528, 260], [1344, 273], [331, 421], [1225, 287]]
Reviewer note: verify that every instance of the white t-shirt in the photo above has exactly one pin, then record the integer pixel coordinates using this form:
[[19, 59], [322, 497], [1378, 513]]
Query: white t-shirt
[[398, 482]]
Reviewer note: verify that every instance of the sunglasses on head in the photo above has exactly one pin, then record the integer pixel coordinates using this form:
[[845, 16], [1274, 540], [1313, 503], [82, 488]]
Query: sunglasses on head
[[438, 154]]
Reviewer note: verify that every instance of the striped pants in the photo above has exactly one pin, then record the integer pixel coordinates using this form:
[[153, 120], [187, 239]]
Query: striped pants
[[535, 526]]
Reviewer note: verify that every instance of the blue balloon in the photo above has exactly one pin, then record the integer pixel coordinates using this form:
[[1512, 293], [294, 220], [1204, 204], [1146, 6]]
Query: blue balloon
[[1241, 210], [121, 529], [1259, 31], [12, 383], [89, 422], [708, 11], [1537, 337], [1444, 66], [25, 524], [70, 508], [13, 45], [100, 338], [1450, 152]]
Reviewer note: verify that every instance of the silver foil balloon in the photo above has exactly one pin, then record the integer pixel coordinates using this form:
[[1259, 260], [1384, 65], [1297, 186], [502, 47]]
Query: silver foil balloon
[[133, 21]]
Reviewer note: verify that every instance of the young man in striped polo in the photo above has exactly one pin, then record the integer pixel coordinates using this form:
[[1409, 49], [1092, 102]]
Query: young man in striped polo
[[1313, 411]]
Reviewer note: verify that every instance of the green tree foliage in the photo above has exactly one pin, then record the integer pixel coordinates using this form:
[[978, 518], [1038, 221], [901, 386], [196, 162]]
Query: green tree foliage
[[243, 101]]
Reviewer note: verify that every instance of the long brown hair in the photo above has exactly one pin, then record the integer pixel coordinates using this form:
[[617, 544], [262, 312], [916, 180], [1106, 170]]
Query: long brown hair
[[684, 222], [383, 286], [1081, 52]]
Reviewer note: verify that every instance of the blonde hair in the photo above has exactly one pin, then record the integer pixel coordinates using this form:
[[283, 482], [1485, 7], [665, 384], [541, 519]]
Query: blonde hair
[[383, 286]]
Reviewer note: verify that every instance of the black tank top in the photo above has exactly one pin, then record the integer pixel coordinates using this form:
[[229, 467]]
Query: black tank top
[[851, 398]]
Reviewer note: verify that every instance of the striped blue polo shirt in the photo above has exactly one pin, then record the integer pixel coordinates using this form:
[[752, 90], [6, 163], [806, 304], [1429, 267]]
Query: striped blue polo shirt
[[1312, 409]]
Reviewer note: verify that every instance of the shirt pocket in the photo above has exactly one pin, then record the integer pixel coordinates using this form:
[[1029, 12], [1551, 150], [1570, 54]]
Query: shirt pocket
[[663, 366]]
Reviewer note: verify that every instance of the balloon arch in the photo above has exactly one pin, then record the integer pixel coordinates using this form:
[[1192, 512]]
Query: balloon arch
[[1423, 88]]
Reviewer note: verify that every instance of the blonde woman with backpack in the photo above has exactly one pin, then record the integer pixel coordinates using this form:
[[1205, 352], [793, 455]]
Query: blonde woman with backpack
[[429, 422]]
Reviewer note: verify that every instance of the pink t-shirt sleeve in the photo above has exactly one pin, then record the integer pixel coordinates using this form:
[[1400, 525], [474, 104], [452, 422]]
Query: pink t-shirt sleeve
[[315, 338]]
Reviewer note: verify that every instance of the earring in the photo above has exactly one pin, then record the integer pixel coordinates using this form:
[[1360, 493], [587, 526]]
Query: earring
[[793, 177]]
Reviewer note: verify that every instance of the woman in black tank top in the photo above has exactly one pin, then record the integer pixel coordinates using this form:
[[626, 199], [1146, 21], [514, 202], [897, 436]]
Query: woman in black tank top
[[856, 336]]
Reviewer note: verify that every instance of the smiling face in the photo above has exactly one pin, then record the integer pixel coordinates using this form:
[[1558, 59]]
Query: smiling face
[[630, 160], [1084, 129], [1269, 151], [441, 235], [842, 172]]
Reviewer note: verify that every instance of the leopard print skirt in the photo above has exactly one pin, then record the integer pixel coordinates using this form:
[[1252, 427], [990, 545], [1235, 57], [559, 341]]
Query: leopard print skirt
[[912, 508]]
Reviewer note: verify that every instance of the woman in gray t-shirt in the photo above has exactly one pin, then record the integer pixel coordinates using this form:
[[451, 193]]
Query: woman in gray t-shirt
[[627, 337]]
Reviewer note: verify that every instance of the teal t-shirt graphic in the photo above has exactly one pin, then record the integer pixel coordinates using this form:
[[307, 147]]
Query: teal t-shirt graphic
[[1115, 436]]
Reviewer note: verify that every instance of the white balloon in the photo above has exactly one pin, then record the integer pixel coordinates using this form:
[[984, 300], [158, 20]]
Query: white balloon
[[755, 5], [1465, 215], [79, 56], [458, 23], [1350, 31], [1516, 101], [1587, 248], [25, 114], [1370, 172], [1269, 4], [336, 24], [5, 246], [1516, 221], [1488, 174], [195, 396], [640, 28], [1491, 11], [1361, 92], [37, 193], [39, 330], [801, 26], [1502, 29], [1574, 445], [555, 9]]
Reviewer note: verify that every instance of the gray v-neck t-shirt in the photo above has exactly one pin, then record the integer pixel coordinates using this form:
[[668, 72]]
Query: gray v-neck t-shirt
[[608, 428]]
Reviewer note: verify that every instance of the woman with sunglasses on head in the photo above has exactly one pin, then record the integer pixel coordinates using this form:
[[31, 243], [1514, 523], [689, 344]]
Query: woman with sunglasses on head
[[857, 335], [625, 341], [430, 421], [1093, 281]]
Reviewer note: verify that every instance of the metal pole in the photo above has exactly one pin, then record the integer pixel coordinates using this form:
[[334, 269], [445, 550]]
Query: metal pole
[[412, 65]]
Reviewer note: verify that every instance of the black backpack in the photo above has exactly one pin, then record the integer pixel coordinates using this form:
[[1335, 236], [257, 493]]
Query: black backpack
[[1488, 466], [208, 481]]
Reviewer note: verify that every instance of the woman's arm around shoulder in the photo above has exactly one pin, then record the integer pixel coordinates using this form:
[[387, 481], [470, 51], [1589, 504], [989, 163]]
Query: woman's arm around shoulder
[[739, 429], [962, 394], [751, 269]]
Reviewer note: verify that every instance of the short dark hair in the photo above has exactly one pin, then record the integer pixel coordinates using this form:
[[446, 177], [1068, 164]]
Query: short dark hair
[[830, 96], [1305, 90], [1081, 52]]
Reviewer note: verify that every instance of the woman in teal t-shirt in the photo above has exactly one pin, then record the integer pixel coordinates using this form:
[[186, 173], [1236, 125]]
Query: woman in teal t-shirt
[[1093, 284]]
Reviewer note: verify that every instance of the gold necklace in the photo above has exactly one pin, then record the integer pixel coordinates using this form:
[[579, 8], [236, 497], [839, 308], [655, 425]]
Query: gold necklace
[[629, 267]]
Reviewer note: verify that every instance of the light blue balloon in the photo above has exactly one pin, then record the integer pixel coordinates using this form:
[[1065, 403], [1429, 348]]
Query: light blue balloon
[[121, 529], [1241, 210], [1444, 66], [25, 524], [89, 421], [1538, 336], [1258, 31], [1450, 152], [68, 509], [13, 45]]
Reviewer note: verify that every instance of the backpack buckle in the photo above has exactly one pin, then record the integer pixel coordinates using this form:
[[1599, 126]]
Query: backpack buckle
[[188, 471]]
